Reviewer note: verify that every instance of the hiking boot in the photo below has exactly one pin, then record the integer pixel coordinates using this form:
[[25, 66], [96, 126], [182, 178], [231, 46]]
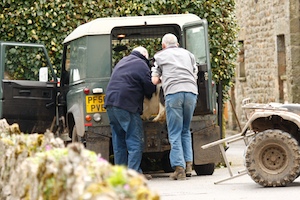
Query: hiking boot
[[148, 176], [179, 174], [189, 169]]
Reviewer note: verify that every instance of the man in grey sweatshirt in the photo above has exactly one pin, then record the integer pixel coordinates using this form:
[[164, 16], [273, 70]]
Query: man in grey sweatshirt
[[176, 69]]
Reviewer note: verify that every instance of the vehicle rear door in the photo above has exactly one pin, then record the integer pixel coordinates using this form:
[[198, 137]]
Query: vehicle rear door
[[196, 41]]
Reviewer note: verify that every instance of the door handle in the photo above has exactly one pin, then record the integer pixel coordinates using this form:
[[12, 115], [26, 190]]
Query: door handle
[[24, 92]]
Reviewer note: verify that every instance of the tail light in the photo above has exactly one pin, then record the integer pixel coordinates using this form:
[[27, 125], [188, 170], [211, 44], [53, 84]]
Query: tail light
[[88, 118], [86, 91]]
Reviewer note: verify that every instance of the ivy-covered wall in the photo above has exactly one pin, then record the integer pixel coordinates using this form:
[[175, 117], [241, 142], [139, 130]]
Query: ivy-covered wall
[[50, 21]]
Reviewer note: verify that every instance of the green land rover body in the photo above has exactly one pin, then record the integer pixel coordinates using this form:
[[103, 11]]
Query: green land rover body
[[90, 53]]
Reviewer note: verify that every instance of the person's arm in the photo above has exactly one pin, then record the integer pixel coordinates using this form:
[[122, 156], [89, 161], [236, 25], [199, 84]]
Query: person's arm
[[195, 66], [156, 74], [148, 87], [195, 72]]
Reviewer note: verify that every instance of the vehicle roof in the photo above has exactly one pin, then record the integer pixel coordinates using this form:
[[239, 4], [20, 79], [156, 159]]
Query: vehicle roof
[[105, 25]]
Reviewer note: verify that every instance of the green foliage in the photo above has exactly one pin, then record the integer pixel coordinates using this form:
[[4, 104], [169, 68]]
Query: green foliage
[[50, 21]]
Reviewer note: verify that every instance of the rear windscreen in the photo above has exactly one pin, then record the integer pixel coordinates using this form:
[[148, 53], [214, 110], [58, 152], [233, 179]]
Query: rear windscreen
[[125, 39]]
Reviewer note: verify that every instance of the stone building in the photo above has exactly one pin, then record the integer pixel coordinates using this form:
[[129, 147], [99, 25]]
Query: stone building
[[268, 64]]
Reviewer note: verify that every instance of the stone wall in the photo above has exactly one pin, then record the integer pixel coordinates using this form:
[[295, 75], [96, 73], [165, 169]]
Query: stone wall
[[268, 64], [294, 51]]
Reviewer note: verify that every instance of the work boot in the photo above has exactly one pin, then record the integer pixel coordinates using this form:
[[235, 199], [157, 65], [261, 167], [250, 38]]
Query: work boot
[[148, 176], [179, 174], [189, 169]]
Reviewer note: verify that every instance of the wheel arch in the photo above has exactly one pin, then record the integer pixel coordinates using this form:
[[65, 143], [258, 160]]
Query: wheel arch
[[75, 118], [285, 121]]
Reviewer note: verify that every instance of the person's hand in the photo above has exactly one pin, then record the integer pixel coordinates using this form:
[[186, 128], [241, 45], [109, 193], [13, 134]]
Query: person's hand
[[155, 80]]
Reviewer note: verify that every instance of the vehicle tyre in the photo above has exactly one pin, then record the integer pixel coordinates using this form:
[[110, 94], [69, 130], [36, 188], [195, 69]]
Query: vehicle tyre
[[206, 169], [272, 158]]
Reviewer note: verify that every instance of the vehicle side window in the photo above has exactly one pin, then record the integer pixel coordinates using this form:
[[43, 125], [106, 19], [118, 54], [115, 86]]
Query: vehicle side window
[[78, 60]]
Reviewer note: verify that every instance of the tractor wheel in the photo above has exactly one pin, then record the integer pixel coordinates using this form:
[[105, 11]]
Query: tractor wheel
[[272, 158], [206, 169]]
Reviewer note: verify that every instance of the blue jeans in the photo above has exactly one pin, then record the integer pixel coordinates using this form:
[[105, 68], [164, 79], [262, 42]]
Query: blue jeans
[[179, 109], [127, 137]]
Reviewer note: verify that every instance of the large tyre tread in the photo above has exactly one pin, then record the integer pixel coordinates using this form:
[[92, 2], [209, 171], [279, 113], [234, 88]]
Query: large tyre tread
[[266, 177]]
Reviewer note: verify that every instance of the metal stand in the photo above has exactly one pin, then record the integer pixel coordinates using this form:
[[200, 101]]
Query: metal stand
[[228, 140]]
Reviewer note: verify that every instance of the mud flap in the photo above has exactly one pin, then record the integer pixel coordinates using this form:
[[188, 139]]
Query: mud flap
[[205, 136], [99, 144]]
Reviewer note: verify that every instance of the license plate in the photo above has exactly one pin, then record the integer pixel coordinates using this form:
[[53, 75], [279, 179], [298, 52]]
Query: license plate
[[95, 103]]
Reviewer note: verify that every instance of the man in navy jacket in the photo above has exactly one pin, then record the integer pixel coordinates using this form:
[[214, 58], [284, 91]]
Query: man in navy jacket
[[130, 82]]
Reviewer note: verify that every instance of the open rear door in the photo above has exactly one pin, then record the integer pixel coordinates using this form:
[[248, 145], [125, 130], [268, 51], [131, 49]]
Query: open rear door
[[28, 86], [196, 41]]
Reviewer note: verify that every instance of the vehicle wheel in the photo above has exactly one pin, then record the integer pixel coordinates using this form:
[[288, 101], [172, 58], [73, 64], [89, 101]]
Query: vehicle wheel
[[206, 169], [273, 158], [165, 161]]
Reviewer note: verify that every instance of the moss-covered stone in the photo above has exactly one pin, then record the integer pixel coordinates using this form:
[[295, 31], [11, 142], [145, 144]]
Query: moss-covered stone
[[35, 166]]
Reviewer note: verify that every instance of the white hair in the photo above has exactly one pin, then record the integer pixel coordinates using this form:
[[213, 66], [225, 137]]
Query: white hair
[[169, 39], [142, 50]]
